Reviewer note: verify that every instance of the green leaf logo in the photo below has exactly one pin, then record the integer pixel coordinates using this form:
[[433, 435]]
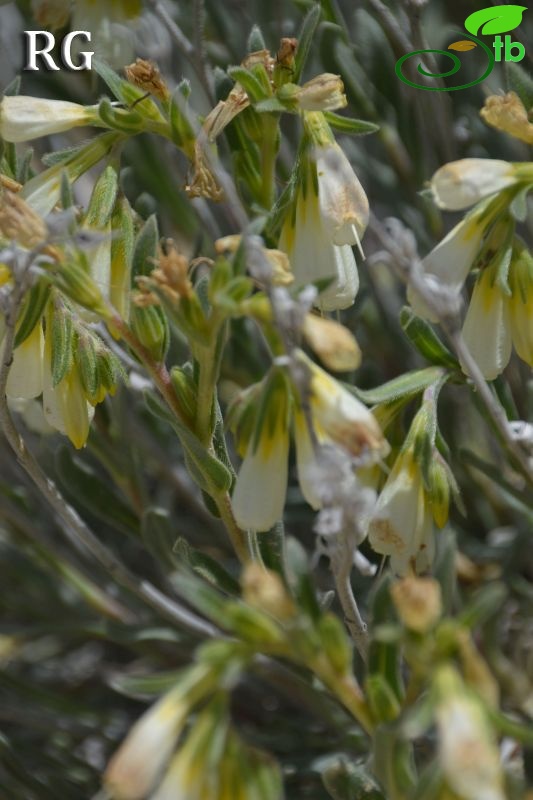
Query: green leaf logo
[[498, 19]]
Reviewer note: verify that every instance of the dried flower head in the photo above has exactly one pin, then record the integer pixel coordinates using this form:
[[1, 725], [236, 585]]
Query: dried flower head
[[507, 113], [418, 602], [146, 76]]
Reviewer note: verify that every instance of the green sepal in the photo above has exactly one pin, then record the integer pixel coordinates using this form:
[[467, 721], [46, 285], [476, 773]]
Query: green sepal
[[87, 363], [146, 245], [103, 199], [256, 40], [382, 700], [335, 643], [210, 473], [425, 340], [348, 125], [32, 311], [122, 245], [128, 94], [251, 83], [61, 330], [129, 122], [150, 326], [206, 567], [408, 386]]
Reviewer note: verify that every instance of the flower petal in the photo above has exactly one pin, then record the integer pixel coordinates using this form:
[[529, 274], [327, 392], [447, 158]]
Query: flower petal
[[25, 377], [461, 184], [259, 495], [487, 329]]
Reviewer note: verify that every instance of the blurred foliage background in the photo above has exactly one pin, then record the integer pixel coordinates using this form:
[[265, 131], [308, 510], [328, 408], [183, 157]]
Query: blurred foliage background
[[75, 649]]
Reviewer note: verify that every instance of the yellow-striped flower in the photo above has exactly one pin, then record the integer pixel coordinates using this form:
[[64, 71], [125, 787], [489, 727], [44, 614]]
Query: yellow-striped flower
[[328, 216]]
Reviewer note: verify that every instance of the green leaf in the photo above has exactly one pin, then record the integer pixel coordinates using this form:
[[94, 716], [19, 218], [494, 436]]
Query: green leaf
[[144, 686], [251, 85], [356, 127], [305, 38], [62, 341], [496, 19], [270, 105], [408, 385], [159, 536], [103, 199], [426, 341], [128, 94], [145, 249], [210, 473], [205, 566], [98, 496], [521, 82], [256, 40], [34, 306]]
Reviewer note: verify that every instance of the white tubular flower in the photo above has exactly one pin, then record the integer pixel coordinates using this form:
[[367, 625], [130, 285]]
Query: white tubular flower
[[451, 260], [25, 118], [138, 764], [323, 93], [187, 776], [314, 257], [259, 496], [25, 378], [43, 191], [337, 417], [462, 184], [468, 751], [330, 215], [521, 302], [402, 526], [487, 327], [343, 203]]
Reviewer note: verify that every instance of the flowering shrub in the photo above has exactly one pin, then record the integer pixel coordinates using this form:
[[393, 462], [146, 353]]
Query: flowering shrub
[[307, 554]]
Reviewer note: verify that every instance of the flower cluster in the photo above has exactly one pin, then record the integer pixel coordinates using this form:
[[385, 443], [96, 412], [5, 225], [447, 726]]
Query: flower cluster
[[319, 410], [327, 217], [499, 313]]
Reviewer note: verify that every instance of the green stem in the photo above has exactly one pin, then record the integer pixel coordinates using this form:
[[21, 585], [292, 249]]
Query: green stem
[[347, 690], [269, 150]]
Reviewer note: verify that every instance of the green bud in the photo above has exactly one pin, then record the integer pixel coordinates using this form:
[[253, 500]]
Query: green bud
[[77, 284], [185, 389], [87, 363], [151, 328], [122, 245], [145, 250], [102, 199], [59, 323], [252, 625], [32, 312], [124, 121], [439, 491], [335, 643], [381, 698]]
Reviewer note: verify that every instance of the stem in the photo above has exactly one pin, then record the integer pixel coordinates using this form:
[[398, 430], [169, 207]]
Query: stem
[[347, 690], [269, 149], [161, 378]]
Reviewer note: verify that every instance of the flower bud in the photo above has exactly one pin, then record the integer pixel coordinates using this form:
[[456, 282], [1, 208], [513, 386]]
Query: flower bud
[[461, 184], [507, 113], [418, 602], [263, 589]]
